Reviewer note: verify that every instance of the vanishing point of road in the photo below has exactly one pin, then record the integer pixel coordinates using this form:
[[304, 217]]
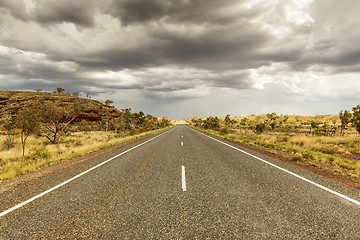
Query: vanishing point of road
[[181, 184]]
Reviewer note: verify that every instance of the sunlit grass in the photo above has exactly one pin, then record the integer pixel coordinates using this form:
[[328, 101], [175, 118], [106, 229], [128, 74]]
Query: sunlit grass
[[40, 153], [340, 153]]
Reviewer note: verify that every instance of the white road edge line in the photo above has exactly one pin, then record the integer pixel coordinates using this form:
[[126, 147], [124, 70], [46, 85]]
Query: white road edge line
[[73, 178], [183, 179], [287, 171]]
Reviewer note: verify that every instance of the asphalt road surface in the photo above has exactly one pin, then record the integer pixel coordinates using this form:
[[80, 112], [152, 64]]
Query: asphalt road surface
[[181, 184]]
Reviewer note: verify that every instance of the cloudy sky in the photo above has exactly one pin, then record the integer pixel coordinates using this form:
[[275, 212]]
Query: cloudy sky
[[184, 58]]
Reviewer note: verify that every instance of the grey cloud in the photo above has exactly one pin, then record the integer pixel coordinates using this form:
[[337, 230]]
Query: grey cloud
[[135, 11], [342, 61], [113, 59], [173, 50], [233, 80], [79, 12], [15, 8], [198, 11], [213, 48]]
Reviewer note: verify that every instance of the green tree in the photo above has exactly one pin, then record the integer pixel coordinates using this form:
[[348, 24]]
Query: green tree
[[108, 102], [60, 90], [260, 127], [272, 120], [55, 119], [244, 123], [227, 120], [28, 122], [164, 122], [128, 118], [211, 123], [314, 125], [196, 121], [345, 118], [106, 120], [9, 125], [356, 118]]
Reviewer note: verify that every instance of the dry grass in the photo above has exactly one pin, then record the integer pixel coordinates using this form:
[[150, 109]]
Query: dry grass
[[39, 153], [337, 154]]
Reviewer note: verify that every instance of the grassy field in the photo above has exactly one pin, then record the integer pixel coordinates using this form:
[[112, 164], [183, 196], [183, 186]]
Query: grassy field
[[334, 152], [40, 153]]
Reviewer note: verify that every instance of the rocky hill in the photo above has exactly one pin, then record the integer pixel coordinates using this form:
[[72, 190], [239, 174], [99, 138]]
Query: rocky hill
[[13, 101]]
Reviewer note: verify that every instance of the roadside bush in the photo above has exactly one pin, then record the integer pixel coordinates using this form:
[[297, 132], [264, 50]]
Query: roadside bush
[[297, 158], [224, 130], [325, 150], [9, 142], [39, 153], [307, 155], [260, 127], [282, 138]]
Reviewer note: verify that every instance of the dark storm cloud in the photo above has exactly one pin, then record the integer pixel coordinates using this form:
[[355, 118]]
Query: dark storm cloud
[[234, 80], [210, 48], [173, 50], [79, 12], [18, 63], [118, 59], [136, 11], [16, 8], [194, 11]]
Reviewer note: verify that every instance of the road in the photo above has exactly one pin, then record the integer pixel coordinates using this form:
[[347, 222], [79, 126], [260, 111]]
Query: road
[[181, 185]]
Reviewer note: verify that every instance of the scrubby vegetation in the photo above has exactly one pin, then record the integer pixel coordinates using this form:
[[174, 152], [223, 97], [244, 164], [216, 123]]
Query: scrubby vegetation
[[329, 143], [39, 129]]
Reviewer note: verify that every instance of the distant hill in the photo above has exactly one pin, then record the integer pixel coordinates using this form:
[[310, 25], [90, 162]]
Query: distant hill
[[13, 101]]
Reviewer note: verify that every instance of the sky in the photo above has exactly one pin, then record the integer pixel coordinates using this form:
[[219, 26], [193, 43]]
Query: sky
[[186, 58]]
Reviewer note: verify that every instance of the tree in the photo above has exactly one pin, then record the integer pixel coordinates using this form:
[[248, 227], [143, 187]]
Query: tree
[[164, 122], [105, 120], [244, 123], [38, 90], [272, 120], [356, 118], [60, 90], [314, 125], [260, 127], [55, 119], [211, 123], [128, 118], [196, 121], [28, 122], [345, 118], [227, 120], [108, 102], [9, 125]]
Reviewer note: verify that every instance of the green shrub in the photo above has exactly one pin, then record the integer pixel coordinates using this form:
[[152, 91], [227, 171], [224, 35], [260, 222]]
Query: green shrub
[[297, 158], [283, 138], [9, 142], [260, 127], [307, 155], [326, 150], [224, 130], [39, 152]]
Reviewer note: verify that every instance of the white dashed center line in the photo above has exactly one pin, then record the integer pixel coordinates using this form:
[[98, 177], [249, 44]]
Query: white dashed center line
[[183, 179]]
